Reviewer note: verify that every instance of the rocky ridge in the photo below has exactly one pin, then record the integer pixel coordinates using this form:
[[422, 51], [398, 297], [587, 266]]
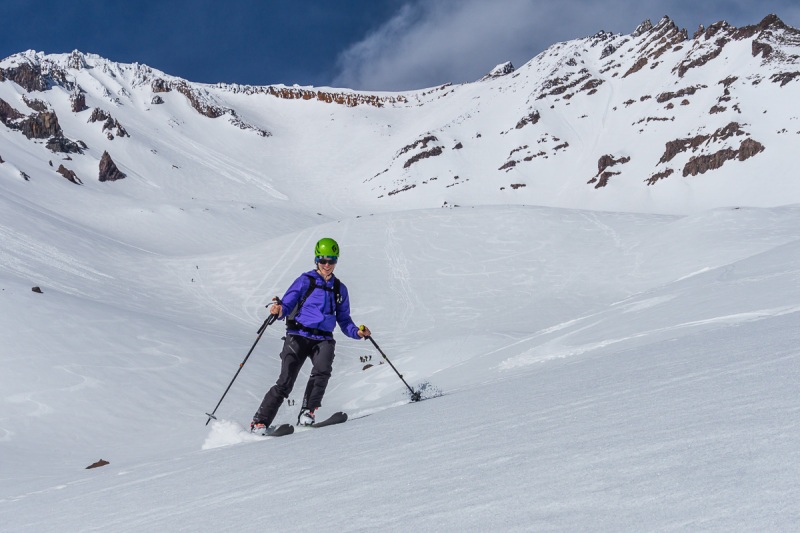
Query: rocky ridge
[[653, 110], [667, 57]]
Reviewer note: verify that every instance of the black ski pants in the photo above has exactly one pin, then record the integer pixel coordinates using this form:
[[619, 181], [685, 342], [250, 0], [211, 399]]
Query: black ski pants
[[296, 349]]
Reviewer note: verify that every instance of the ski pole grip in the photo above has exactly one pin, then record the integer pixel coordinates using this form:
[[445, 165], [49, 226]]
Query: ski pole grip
[[270, 318]]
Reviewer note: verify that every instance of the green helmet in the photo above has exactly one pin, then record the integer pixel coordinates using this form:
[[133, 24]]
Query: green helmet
[[326, 247]]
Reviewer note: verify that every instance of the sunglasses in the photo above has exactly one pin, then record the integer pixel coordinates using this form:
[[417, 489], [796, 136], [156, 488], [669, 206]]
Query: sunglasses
[[326, 261]]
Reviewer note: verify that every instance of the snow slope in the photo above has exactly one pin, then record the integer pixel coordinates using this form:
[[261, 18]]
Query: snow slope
[[599, 370]]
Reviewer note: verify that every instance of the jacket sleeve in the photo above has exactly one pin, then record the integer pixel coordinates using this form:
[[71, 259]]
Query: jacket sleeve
[[346, 323], [293, 295]]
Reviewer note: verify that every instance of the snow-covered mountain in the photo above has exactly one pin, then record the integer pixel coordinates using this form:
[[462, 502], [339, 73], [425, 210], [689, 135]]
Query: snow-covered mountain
[[609, 304], [651, 121]]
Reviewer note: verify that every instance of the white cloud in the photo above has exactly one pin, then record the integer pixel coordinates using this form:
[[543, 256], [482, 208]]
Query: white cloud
[[428, 43]]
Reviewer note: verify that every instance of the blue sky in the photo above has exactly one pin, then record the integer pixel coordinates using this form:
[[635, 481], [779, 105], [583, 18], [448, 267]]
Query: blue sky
[[360, 44]]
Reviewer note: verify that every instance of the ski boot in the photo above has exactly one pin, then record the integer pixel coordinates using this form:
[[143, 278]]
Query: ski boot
[[306, 417], [259, 428]]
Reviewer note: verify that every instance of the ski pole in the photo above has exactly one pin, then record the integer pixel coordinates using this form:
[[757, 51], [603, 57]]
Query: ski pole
[[270, 319], [415, 396]]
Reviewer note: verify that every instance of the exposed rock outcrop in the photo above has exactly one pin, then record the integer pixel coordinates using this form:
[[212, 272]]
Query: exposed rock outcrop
[[66, 146], [677, 146], [402, 189], [559, 85], [419, 143], [499, 71], [601, 178], [36, 105], [709, 43], [770, 22], [761, 48], [657, 40], [160, 86], [349, 99], [239, 123], [68, 174], [41, 126], [78, 101], [703, 163], [748, 148], [8, 114], [686, 91], [607, 51], [609, 160], [705, 53], [200, 103], [28, 76], [531, 118], [98, 464], [109, 123], [77, 60], [109, 170], [436, 150], [642, 28], [784, 77], [659, 176]]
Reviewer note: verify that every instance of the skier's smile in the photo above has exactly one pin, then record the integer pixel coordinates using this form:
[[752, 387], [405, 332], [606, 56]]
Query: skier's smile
[[325, 266]]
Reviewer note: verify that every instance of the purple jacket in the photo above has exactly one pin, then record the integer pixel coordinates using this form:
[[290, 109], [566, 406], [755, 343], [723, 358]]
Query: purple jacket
[[319, 311]]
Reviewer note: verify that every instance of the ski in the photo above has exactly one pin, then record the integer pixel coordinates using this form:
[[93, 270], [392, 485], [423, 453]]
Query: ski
[[335, 418], [288, 429], [278, 431]]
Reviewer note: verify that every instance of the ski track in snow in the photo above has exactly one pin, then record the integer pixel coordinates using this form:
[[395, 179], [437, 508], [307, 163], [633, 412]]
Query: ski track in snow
[[399, 276], [221, 164], [558, 348], [284, 266], [216, 303], [57, 220], [23, 256]]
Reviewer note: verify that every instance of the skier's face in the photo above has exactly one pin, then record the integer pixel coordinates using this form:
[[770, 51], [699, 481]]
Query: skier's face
[[325, 265]]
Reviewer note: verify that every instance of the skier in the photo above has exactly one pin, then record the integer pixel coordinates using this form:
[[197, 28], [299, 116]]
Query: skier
[[315, 302]]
